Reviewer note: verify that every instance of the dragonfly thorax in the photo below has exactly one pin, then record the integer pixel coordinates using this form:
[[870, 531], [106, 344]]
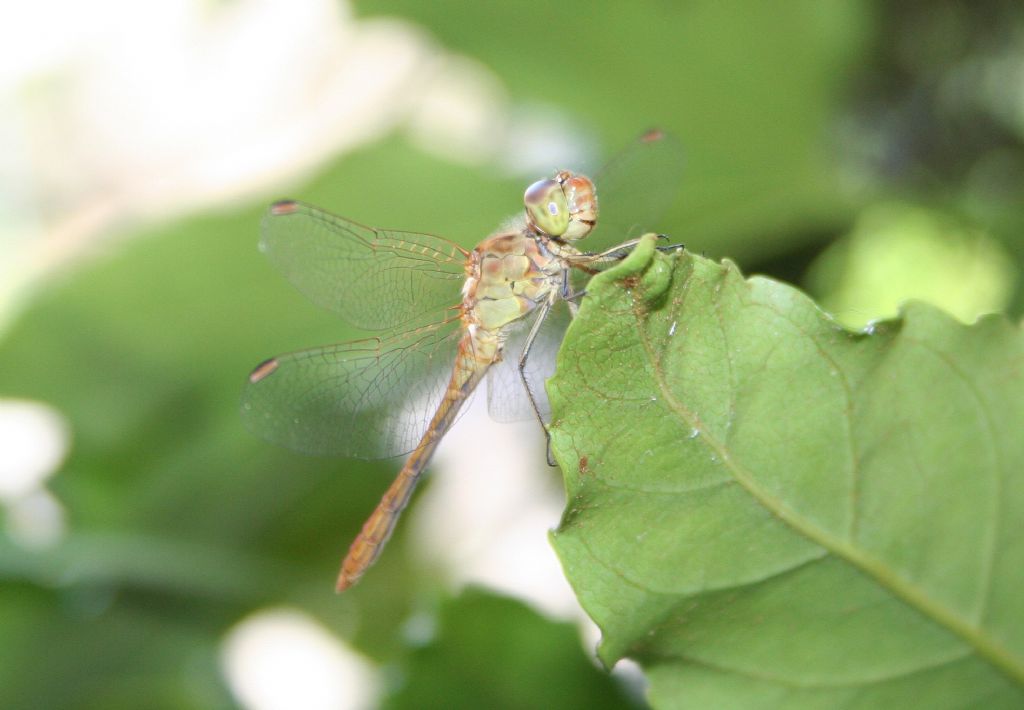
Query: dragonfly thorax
[[564, 207], [508, 275]]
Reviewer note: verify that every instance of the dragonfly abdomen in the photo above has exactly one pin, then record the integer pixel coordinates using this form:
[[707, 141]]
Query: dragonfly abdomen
[[476, 353]]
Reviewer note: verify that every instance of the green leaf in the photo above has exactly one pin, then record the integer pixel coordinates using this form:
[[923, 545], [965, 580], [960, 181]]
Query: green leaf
[[766, 509]]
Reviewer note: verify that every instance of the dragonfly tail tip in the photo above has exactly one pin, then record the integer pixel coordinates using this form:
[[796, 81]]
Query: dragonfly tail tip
[[344, 582]]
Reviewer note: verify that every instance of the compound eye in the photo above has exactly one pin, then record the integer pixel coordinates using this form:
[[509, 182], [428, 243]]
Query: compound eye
[[547, 208]]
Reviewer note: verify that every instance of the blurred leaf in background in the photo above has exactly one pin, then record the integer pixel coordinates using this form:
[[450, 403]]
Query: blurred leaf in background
[[897, 252], [525, 665]]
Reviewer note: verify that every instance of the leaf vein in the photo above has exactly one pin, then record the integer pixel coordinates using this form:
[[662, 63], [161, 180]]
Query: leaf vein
[[988, 648], [931, 665], [998, 512]]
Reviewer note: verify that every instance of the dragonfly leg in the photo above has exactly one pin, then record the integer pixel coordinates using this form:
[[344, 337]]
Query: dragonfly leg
[[620, 251], [571, 297], [545, 308], [616, 253], [667, 248]]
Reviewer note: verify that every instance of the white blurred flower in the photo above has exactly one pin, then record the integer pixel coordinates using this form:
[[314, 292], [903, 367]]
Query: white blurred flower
[[34, 439], [279, 659]]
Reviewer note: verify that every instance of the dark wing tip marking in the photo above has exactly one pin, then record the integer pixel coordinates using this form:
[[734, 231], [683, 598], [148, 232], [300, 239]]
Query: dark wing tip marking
[[284, 207], [263, 370], [653, 135]]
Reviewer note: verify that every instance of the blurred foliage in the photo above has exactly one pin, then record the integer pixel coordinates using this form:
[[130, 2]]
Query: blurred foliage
[[934, 115], [898, 252], [752, 91], [526, 665], [796, 119]]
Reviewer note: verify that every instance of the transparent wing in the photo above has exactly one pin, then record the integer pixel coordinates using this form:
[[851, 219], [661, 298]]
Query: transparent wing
[[370, 398], [635, 189], [375, 279], [507, 400]]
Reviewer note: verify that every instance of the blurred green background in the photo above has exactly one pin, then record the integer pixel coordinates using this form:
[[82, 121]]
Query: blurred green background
[[869, 152]]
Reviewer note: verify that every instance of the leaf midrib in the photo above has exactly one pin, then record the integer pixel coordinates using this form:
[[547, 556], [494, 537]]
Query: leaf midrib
[[998, 655]]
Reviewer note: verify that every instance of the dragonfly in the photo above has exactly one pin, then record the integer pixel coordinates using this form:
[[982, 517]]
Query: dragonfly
[[445, 316]]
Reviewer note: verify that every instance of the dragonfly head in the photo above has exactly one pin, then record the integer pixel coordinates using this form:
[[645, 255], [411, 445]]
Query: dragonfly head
[[563, 207]]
